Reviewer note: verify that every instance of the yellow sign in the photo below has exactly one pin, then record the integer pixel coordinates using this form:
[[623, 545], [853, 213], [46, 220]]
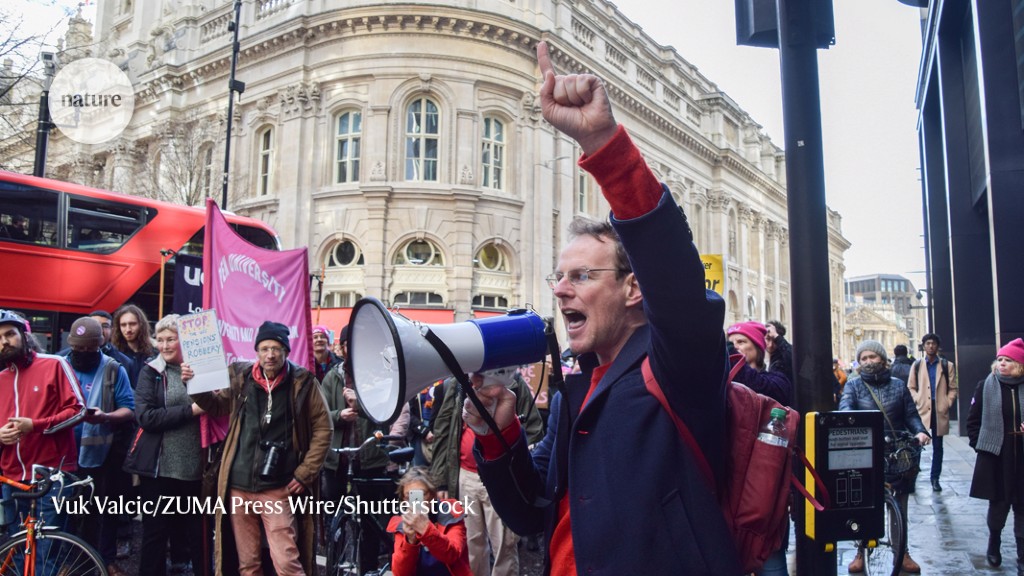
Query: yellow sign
[[714, 272]]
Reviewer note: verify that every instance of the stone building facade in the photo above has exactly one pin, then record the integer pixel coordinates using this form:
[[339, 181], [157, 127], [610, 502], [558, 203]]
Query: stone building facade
[[404, 145]]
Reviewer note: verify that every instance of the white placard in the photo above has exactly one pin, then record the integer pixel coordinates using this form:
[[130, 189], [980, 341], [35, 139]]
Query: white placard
[[203, 350]]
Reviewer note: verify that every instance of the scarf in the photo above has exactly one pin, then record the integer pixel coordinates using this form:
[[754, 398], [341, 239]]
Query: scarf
[[990, 437]]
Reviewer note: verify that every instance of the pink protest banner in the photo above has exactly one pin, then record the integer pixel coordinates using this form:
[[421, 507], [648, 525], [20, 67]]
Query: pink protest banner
[[247, 285]]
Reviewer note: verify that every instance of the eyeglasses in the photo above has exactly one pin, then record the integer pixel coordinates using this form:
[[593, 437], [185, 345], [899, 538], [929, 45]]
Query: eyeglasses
[[270, 350], [578, 276]]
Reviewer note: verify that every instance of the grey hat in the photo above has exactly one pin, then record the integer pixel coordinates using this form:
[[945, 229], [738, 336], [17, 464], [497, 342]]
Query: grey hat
[[874, 346]]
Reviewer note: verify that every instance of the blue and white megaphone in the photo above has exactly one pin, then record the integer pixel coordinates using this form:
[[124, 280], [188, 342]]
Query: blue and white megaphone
[[392, 360]]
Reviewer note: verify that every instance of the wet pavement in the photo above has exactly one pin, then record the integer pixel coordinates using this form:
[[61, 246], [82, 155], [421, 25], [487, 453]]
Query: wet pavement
[[948, 534]]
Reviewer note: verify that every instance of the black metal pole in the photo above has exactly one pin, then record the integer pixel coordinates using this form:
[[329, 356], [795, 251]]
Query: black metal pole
[[44, 124], [233, 86], [808, 232]]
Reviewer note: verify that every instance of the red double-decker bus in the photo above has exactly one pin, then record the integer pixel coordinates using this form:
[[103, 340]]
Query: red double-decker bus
[[66, 250]]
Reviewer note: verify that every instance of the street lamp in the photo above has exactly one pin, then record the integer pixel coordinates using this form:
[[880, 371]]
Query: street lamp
[[49, 61]]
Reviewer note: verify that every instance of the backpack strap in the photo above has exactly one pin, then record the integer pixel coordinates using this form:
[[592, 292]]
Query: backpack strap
[[945, 371], [654, 388], [110, 371]]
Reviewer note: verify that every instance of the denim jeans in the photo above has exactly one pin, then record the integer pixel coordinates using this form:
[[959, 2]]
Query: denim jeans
[[936, 456], [777, 564], [17, 509]]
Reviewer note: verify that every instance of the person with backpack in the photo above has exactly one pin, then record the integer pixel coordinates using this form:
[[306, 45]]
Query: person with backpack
[[613, 484], [749, 340], [456, 472], [105, 436], [933, 385], [874, 388]]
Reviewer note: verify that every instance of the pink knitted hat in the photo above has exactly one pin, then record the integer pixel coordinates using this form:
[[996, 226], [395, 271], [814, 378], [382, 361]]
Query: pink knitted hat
[[1013, 350], [754, 331]]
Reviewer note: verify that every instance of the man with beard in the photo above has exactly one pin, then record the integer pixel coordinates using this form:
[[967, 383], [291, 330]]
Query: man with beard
[[106, 433], [37, 391]]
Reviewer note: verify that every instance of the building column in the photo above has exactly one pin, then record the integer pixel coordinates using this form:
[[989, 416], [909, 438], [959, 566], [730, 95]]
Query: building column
[[746, 219]]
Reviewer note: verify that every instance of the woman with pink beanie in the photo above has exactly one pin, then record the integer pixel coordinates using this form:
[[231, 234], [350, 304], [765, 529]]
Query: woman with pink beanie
[[996, 432], [748, 338]]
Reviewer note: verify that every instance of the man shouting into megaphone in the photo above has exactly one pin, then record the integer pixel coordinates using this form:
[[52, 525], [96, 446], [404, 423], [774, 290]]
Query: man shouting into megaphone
[[612, 484]]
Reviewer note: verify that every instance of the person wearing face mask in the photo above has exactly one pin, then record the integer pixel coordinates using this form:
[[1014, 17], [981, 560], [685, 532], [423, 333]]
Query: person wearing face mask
[[103, 438], [874, 385]]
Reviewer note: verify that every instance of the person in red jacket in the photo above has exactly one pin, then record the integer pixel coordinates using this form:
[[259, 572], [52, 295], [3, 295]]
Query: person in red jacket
[[37, 391], [429, 539]]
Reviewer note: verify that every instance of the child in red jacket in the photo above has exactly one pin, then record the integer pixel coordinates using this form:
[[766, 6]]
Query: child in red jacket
[[430, 538]]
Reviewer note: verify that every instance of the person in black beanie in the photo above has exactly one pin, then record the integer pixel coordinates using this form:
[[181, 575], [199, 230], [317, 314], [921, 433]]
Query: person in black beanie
[[277, 439]]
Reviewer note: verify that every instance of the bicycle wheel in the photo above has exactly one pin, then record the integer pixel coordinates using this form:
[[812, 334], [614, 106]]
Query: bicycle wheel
[[57, 554], [342, 549], [886, 558]]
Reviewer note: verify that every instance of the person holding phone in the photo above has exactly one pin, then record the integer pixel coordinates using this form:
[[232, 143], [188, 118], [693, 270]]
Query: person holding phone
[[429, 538]]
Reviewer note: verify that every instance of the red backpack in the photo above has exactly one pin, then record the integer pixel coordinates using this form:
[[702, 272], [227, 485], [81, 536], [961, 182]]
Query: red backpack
[[755, 490]]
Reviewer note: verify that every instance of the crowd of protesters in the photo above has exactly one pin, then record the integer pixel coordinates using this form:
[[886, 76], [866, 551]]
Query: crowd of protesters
[[141, 427]]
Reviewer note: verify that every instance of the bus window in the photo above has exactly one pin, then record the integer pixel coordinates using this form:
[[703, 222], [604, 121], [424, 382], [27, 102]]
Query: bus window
[[28, 214], [257, 236], [103, 226]]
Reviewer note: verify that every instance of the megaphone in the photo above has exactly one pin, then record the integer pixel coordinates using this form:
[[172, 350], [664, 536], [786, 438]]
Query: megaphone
[[392, 360]]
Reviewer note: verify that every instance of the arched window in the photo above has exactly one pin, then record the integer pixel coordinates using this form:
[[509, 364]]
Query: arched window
[[491, 258], [493, 155], [346, 145], [751, 308], [492, 281], [734, 307], [421, 140], [266, 161], [345, 253], [419, 253]]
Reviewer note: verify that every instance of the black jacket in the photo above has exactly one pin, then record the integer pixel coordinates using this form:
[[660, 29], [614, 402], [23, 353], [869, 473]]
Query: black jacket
[[153, 418]]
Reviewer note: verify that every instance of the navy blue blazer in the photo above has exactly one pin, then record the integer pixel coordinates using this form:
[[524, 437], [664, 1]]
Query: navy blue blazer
[[638, 503]]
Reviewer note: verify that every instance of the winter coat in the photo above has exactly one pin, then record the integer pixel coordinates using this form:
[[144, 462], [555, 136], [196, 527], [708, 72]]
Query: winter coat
[[999, 477], [637, 502], [311, 437], [945, 393], [349, 434], [154, 417], [899, 407], [445, 540]]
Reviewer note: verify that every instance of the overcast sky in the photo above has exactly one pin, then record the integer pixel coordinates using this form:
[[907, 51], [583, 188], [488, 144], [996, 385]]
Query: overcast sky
[[868, 114]]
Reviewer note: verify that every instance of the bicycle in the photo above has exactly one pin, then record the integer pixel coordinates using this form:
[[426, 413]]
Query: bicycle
[[344, 530], [66, 554], [885, 558]]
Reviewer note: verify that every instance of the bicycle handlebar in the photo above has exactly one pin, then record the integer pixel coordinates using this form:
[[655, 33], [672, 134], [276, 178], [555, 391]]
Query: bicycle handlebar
[[51, 476]]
